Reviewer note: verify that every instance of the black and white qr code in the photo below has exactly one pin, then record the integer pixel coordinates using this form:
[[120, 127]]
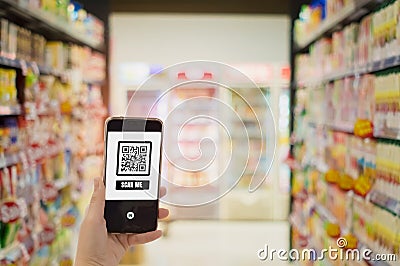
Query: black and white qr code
[[134, 158]]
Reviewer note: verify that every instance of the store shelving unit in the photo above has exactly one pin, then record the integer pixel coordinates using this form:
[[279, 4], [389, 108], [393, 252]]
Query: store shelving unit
[[258, 206], [340, 184], [188, 140], [51, 134]]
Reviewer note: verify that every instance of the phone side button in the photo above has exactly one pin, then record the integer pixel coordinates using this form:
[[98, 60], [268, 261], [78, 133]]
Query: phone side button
[[130, 215]]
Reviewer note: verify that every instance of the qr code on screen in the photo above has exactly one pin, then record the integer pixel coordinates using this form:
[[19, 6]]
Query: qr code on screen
[[133, 158]]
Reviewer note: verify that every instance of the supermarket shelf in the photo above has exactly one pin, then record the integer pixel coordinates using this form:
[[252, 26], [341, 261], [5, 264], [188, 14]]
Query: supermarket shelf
[[385, 202], [390, 62], [21, 64], [376, 197], [48, 24], [387, 135], [332, 127], [351, 13], [43, 70], [4, 61]]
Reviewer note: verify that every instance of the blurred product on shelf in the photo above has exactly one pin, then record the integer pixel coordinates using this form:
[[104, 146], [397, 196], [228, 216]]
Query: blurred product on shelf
[[49, 147], [354, 179], [346, 135], [371, 44], [313, 16], [310, 18], [84, 22], [8, 89]]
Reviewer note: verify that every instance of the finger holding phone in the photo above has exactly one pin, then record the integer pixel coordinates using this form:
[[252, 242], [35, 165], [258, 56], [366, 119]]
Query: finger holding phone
[[123, 210]]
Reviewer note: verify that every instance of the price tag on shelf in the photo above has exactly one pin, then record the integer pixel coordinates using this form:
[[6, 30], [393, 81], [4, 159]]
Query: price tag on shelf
[[377, 198], [385, 202], [389, 62], [376, 65], [391, 205], [382, 64]]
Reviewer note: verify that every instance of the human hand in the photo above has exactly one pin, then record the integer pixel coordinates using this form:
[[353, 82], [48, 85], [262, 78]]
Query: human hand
[[95, 245]]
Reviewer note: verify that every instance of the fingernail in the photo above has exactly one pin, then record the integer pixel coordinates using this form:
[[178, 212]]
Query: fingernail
[[95, 184]]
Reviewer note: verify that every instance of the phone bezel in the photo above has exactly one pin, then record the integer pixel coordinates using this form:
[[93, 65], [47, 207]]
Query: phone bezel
[[133, 124]]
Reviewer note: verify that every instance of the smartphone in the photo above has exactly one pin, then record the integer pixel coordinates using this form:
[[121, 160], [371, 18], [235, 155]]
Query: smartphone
[[132, 174]]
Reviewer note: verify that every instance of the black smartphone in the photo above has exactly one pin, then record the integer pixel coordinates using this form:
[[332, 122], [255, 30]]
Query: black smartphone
[[132, 174]]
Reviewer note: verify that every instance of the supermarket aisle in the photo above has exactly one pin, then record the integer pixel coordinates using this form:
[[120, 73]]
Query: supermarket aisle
[[233, 243]]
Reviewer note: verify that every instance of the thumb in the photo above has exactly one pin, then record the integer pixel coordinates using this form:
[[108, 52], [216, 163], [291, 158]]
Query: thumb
[[96, 206]]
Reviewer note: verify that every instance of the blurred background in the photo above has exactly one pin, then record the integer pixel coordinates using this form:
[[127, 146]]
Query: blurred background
[[327, 71]]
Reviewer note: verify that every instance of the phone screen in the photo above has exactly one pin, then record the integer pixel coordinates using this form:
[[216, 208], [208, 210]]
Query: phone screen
[[132, 170], [133, 160]]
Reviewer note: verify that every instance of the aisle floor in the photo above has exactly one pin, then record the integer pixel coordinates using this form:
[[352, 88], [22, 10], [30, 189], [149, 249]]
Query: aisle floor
[[233, 243]]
